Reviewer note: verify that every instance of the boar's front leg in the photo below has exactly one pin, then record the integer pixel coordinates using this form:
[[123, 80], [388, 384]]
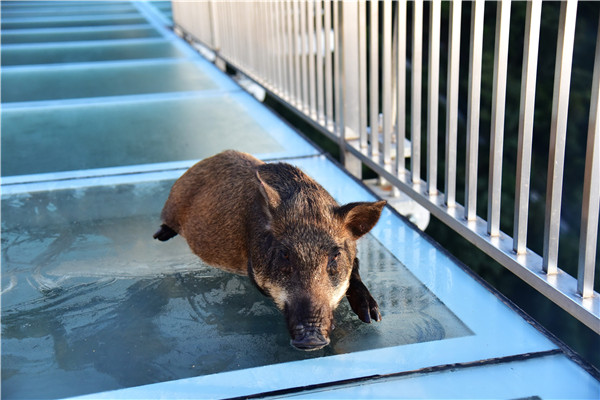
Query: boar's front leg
[[361, 301]]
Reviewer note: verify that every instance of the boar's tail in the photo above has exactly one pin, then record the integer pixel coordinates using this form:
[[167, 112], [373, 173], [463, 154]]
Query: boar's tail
[[164, 233]]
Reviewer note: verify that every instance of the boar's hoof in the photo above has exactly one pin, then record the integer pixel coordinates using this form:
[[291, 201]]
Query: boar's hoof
[[362, 303], [311, 340], [164, 233]]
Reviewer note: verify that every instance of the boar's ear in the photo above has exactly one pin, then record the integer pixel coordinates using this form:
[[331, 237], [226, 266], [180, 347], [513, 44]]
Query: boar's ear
[[360, 218], [269, 199]]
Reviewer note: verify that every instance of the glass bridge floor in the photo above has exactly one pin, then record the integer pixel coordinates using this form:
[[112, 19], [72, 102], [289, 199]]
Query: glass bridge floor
[[102, 109]]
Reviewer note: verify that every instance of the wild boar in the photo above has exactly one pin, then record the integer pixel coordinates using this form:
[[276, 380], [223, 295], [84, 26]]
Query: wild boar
[[275, 224]]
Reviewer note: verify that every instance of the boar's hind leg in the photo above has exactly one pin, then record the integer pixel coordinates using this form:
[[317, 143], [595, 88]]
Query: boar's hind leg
[[164, 233], [361, 301]]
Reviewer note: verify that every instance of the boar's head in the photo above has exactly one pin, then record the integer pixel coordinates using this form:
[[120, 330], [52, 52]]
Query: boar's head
[[302, 249]]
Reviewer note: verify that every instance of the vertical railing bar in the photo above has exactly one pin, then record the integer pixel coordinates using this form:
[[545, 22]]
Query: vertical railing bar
[[374, 79], [473, 108], [349, 60], [435, 9], [401, 87], [285, 43], [310, 16], [183, 19], [199, 21], [233, 35], [387, 79], [320, 63], [272, 38], [267, 36], [338, 80], [498, 110], [223, 27], [320, 55], [258, 36], [253, 34], [195, 19], [417, 65], [223, 13], [287, 8], [452, 104], [259, 59], [304, 57], [558, 134], [235, 42], [272, 21], [215, 26], [591, 190], [291, 52], [362, 68], [275, 10], [250, 31], [204, 20], [242, 36], [298, 55], [328, 67], [524, 147], [210, 25], [230, 53], [234, 39], [268, 39]]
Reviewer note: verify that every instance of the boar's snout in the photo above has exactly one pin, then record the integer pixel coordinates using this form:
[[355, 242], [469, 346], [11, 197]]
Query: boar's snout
[[309, 324], [308, 338]]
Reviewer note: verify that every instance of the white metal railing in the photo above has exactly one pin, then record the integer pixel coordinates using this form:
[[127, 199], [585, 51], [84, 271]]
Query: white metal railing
[[325, 61]]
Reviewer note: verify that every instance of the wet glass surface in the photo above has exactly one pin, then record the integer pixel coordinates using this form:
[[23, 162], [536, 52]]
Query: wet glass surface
[[45, 8], [69, 35], [128, 133], [90, 302], [101, 80], [46, 54], [64, 22]]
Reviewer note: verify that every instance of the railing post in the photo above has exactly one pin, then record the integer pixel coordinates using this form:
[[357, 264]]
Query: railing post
[[591, 190], [346, 52], [452, 106], [524, 148], [401, 88], [473, 111], [374, 79], [214, 26], [498, 110], [558, 134], [417, 65], [433, 79], [386, 79]]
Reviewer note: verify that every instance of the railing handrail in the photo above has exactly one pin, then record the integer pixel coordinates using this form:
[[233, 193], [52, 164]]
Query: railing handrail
[[314, 56]]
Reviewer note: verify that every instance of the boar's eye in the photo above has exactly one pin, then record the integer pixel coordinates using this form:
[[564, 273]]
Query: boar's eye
[[332, 265], [284, 254]]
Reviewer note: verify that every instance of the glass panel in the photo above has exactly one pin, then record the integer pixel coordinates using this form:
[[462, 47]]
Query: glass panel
[[32, 55], [91, 302], [20, 85], [65, 22], [70, 35], [128, 133]]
